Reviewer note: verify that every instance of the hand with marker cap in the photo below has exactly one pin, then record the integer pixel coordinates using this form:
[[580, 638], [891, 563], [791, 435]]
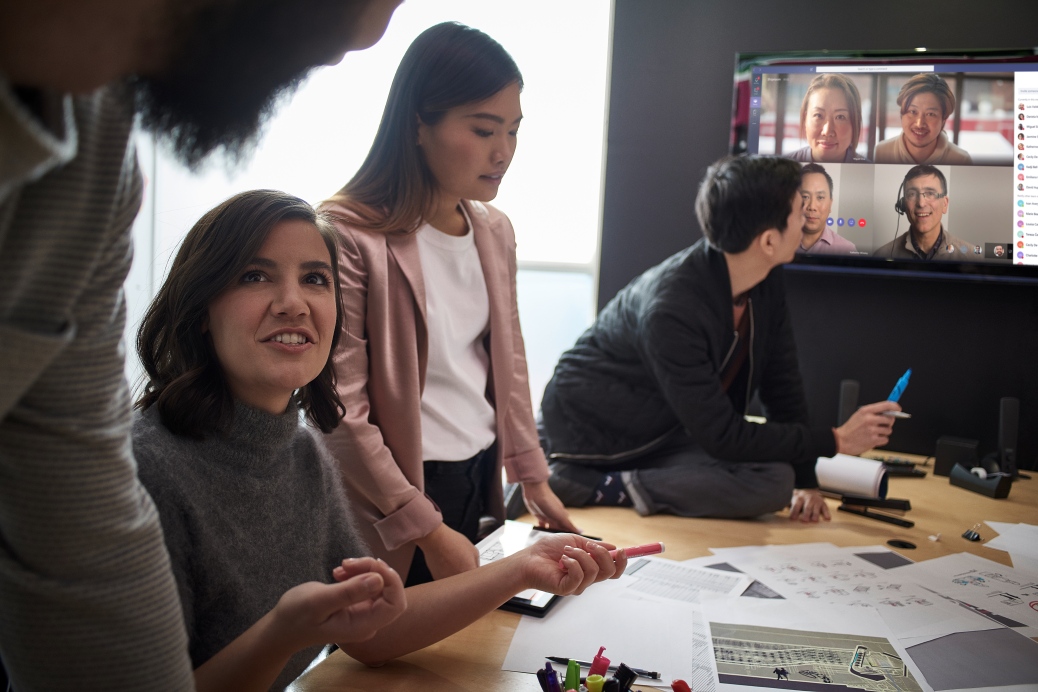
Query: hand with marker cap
[[567, 564]]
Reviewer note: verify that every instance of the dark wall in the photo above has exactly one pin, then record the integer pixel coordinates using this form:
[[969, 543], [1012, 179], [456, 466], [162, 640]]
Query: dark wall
[[669, 115]]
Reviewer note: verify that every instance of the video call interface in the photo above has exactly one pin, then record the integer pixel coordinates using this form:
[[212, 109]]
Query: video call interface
[[859, 128]]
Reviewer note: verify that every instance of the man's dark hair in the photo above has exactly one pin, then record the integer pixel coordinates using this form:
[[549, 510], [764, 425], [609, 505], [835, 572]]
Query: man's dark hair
[[234, 62], [924, 170], [816, 168], [741, 197], [184, 378]]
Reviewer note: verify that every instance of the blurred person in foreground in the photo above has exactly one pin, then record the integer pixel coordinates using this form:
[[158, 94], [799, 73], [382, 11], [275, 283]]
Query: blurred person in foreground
[[86, 592]]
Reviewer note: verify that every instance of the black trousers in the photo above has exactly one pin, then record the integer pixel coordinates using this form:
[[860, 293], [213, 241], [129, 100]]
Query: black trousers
[[458, 488]]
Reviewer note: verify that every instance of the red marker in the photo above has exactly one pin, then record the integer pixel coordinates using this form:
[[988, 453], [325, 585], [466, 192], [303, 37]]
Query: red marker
[[680, 686], [640, 550], [636, 551]]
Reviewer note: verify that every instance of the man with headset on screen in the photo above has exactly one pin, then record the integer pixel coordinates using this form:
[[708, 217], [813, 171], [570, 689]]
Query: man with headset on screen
[[925, 202]]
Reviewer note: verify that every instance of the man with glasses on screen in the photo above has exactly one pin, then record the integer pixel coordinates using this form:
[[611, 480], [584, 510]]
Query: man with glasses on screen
[[87, 599], [647, 409], [925, 202]]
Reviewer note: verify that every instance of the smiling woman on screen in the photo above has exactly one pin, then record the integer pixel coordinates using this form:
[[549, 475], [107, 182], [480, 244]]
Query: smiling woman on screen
[[830, 121]]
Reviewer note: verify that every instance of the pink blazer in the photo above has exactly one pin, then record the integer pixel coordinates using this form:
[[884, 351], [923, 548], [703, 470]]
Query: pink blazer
[[381, 365]]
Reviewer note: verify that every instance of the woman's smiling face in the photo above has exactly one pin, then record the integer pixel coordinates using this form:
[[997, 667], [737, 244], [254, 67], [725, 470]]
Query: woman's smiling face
[[272, 328], [828, 126]]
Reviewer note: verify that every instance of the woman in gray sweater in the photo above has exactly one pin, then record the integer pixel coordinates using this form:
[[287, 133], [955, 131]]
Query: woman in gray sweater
[[236, 346]]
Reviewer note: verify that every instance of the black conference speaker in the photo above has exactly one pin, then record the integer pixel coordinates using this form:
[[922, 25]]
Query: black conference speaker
[[1008, 425], [848, 401]]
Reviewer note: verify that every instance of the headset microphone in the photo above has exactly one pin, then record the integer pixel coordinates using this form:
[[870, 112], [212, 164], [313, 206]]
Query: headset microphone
[[901, 207]]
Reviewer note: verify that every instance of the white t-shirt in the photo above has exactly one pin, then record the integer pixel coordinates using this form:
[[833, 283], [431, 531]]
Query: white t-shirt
[[457, 420]]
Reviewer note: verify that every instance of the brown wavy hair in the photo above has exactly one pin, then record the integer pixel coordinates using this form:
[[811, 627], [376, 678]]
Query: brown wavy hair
[[448, 65], [185, 380]]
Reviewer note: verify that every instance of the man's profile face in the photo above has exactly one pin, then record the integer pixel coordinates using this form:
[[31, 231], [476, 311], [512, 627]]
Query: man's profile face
[[926, 206], [232, 60], [818, 203]]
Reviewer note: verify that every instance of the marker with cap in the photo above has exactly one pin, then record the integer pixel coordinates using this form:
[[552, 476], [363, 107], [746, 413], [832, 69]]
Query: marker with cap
[[634, 551], [895, 395]]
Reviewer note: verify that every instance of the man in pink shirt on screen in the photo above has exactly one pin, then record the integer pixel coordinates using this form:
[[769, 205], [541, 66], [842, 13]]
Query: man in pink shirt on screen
[[816, 188]]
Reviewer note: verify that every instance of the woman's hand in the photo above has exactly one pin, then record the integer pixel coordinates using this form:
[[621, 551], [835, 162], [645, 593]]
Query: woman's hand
[[808, 505], [368, 595], [546, 507], [583, 562], [448, 552]]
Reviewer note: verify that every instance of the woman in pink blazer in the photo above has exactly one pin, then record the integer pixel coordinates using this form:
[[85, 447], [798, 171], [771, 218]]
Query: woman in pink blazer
[[432, 368]]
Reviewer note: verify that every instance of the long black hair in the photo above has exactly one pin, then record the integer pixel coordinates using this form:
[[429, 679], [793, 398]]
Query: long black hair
[[448, 65]]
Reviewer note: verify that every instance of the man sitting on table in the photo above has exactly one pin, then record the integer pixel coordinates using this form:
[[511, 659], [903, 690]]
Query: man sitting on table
[[816, 187], [648, 407], [925, 203]]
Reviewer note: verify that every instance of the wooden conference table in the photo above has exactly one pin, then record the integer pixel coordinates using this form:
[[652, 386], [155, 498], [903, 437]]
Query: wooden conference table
[[470, 661]]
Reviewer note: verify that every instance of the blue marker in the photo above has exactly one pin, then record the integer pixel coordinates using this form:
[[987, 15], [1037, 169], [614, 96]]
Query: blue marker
[[900, 387]]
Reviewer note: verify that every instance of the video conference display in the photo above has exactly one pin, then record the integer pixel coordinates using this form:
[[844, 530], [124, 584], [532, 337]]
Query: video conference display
[[904, 159]]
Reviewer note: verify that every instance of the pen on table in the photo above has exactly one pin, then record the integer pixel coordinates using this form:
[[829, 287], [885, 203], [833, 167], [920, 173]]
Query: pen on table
[[585, 664], [896, 414]]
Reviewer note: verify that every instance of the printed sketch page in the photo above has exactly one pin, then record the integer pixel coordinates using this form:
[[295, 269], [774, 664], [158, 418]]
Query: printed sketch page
[[998, 593], [758, 644], [857, 577]]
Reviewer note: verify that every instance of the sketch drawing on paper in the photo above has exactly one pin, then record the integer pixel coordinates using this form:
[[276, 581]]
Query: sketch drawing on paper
[[751, 656]]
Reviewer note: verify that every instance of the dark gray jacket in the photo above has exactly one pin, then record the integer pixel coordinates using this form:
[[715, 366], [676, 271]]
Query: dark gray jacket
[[652, 363]]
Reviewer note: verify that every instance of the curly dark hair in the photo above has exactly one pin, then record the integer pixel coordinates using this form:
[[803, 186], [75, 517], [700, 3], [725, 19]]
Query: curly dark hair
[[185, 380]]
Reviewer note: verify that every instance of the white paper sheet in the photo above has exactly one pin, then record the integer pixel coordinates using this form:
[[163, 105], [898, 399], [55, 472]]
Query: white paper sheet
[[854, 475], [648, 634], [674, 581], [1016, 539], [1007, 595], [839, 576], [790, 643]]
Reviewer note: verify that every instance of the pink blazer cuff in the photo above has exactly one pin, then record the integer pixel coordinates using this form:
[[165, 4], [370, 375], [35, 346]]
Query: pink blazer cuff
[[413, 520], [527, 467]]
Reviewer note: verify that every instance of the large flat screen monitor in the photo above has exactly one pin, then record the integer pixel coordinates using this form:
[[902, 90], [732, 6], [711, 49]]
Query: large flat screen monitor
[[916, 161]]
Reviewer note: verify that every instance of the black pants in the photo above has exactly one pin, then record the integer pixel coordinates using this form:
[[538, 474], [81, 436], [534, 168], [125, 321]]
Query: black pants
[[458, 488]]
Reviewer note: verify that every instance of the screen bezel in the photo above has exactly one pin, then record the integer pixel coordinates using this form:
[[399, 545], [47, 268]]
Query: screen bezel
[[974, 271]]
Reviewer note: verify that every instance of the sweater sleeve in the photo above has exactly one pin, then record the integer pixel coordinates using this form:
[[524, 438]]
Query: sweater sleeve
[[83, 568]]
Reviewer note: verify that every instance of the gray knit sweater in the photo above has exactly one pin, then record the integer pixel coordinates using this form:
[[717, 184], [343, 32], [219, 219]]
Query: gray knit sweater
[[246, 516]]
